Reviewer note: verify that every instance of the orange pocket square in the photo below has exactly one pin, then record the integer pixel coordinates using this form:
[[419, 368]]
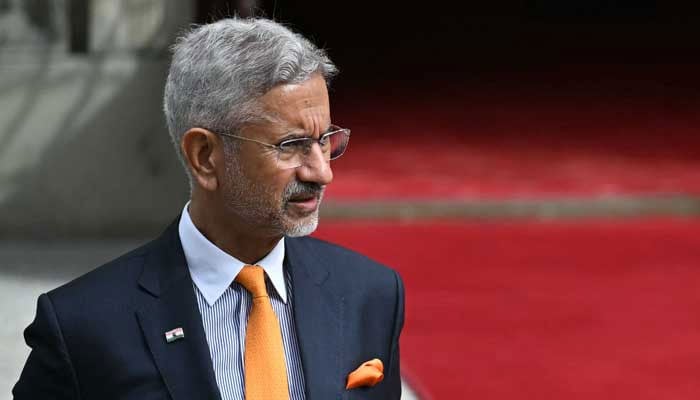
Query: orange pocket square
[[368, 374]]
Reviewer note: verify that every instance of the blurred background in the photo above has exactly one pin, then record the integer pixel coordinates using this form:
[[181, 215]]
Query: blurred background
[[531, 168]]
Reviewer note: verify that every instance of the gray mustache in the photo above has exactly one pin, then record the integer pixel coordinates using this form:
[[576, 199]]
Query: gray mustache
[[302, 188]]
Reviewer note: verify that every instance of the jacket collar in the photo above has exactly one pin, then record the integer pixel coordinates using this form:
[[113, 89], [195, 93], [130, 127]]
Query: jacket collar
[[319, 314], [213, 270], [185, 364]]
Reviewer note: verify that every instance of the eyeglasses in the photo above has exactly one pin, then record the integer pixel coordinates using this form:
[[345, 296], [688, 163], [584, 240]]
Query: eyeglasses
[[292, 153]]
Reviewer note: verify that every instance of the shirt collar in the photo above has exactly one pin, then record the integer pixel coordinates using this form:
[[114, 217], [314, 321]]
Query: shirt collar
[[213, 270]]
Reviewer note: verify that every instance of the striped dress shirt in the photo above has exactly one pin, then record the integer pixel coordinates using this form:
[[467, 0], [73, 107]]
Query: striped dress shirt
[[225, 306]]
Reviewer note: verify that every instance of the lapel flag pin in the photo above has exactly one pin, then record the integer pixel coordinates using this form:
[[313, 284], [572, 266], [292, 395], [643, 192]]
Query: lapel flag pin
[[175, 334]]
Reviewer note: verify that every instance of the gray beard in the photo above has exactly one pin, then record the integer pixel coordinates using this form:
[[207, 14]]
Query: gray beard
[[306, 226], [251, 200], [303, 228]]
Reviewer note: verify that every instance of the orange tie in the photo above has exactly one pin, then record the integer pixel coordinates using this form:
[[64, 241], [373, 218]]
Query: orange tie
[[265, 368]]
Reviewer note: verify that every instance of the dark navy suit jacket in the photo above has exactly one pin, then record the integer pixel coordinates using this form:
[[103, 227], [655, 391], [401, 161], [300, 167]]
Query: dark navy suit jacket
[[101, 336]]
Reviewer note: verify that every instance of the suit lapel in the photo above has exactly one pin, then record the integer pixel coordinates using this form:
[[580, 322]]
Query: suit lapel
[[184, 364], [318, 314]]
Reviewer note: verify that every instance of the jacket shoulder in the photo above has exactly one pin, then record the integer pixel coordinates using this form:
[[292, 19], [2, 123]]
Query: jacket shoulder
[[350, 267], [114, 278], [328, 251]]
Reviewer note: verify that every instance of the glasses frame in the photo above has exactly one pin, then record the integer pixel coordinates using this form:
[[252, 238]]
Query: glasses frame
[[334, 129]]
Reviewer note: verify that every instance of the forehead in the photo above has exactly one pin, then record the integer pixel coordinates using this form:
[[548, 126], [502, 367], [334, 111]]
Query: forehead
[[296, 107]]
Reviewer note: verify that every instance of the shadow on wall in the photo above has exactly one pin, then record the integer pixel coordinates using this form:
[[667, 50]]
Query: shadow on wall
[[84, 149]]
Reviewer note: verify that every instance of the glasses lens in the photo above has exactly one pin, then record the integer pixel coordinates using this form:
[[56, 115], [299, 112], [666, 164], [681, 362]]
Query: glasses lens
[[338, 143], [293, 153]]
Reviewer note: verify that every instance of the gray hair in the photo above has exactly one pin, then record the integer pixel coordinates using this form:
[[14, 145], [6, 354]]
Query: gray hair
[[220, 70]]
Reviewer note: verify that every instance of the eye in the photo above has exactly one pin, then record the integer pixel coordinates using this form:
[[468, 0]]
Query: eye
[[293, 145]]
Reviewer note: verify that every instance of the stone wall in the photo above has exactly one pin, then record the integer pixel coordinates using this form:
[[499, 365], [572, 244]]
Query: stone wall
[[84, 149]]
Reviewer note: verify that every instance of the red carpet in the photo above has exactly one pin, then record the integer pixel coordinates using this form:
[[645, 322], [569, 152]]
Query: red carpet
[[581, 310], [576, 132]]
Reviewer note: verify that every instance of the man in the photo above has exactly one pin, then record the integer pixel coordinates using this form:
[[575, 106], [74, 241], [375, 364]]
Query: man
[[232, 301]]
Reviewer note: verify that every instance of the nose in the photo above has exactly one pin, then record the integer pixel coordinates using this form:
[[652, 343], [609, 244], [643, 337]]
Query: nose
[[315, 167]]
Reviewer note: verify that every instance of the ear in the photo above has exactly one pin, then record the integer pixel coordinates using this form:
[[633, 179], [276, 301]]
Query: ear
[[202, 149]]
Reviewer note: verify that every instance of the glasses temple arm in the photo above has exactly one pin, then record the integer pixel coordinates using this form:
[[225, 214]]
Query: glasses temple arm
[[272, 146]]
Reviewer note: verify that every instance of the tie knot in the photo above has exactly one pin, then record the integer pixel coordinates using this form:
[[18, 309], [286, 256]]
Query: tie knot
[[252, 277]]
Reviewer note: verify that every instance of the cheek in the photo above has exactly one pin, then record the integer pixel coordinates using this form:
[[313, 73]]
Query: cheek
[[276, 183], [282, 181], [260, 171], [264, 174]]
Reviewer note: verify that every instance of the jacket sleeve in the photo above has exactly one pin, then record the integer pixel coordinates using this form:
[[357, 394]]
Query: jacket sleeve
[[394, 373], [48, 372]]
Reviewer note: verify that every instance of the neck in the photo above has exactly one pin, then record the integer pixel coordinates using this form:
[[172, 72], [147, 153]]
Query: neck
[[229, 233]]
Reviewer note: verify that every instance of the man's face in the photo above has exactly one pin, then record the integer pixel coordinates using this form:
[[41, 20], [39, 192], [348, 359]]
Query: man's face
[[273, 199]]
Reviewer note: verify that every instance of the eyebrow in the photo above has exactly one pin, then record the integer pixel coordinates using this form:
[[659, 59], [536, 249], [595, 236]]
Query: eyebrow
[[300, 133]]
